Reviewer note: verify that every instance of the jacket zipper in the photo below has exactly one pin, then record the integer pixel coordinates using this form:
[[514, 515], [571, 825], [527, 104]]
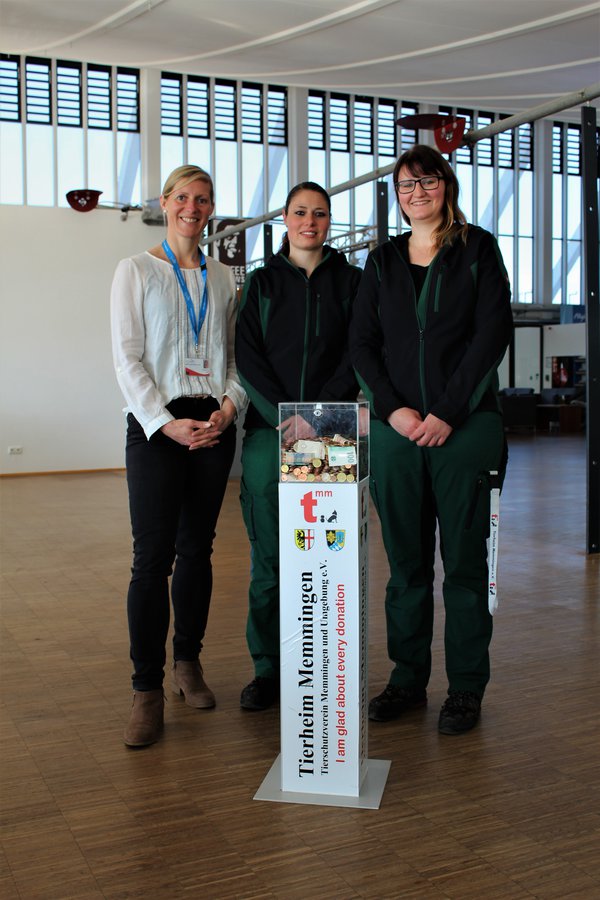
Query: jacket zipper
[[435, 271], [438, 290], [306, 341]]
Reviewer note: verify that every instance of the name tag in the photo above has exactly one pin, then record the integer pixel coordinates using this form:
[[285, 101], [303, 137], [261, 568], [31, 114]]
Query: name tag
[[196, 366]]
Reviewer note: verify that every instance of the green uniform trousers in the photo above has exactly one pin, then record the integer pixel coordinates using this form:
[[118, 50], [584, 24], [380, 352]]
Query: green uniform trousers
[[260, 509], [412, 487]]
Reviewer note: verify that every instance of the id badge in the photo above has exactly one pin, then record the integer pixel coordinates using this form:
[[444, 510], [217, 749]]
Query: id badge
[[196, 366]]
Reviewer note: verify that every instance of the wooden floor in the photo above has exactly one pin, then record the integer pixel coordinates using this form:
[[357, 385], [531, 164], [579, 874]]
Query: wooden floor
[[511, 810]]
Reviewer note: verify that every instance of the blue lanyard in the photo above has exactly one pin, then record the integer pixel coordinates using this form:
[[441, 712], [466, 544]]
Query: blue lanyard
[[196, 323]]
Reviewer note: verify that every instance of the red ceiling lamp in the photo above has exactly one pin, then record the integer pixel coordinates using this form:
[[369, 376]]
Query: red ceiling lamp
[[83, 200], [447, 130]]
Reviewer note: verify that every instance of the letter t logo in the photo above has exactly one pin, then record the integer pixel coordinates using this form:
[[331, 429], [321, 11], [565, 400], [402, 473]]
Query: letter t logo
[[308, 504]]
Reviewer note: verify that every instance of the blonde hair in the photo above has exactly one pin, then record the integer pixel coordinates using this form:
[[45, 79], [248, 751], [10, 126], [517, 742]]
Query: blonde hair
[[187, 174]]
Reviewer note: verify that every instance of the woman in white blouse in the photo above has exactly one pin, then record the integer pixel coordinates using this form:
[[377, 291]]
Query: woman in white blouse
[[173, 319]]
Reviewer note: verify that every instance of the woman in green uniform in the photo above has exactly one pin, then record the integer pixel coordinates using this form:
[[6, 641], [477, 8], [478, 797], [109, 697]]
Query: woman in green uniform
[[291, 345], [431, 324]]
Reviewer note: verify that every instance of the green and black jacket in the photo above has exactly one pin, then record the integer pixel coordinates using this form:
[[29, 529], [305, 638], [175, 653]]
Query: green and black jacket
[[292, 335], [437, 352]]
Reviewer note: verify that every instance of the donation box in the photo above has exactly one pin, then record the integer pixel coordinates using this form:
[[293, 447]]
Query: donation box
[[323, 512]]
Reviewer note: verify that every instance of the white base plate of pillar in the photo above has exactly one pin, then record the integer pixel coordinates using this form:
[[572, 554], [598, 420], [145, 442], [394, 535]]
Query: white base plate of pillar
[[369, 798]]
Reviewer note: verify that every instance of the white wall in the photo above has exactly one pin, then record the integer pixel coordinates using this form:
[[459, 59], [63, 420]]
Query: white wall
[[564, 340], [59, 399]]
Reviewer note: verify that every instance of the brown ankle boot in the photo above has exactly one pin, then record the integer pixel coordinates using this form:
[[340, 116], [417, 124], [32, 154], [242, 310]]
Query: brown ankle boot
[[146, 719], [187, 680]]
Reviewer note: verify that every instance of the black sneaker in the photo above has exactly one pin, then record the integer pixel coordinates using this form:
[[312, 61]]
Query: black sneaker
[[459, 713], [260, 693], [393, 701]]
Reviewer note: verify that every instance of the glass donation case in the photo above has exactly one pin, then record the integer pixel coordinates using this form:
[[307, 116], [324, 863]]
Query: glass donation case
[[324, 442]]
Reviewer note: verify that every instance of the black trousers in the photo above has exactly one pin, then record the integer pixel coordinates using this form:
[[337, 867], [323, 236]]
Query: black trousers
[[175, 497]]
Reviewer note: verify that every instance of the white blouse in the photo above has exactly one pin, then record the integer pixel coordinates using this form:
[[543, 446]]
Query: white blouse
[[152, 337]]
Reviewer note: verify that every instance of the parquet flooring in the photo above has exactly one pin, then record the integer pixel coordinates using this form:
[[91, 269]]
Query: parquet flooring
[[511, 810]]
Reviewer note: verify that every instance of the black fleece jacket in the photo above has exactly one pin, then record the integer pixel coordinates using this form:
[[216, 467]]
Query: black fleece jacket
[[291, 340], [439, 352]]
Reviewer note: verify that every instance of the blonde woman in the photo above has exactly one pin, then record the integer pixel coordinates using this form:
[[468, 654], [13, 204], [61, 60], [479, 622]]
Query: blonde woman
[[173, 319]]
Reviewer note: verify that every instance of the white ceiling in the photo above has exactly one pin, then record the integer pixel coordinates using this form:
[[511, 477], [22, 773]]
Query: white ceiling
[[487, 54]]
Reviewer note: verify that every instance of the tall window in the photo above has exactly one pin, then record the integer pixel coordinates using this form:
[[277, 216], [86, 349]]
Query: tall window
[[523, 276], [566, 214], [364, 159], [277, 149], [39, 133], [79, 127], [11, 131]]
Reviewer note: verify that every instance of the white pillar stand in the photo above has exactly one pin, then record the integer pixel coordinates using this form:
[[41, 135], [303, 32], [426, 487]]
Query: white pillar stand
[[323, 621]]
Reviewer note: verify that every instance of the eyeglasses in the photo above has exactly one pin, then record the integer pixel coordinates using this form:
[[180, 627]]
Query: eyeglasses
[[427, 182]]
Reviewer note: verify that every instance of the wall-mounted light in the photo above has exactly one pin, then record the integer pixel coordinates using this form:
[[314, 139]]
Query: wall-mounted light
[[83, 200]]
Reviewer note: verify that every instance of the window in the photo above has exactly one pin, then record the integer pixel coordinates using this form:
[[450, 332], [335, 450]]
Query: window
[[11, 131], [198, 107], [128, 100], [277, 116], [252, 128], [408, 136], [99, 97], [525, 136], [10, 89], [68, 94], [386, 128], [485, 180], [363, 125], [524, 282], [225, 111], [339, 123], [506, 150], [38, 83], [171, 106], [567, 272], [573, 150], [316, 120]]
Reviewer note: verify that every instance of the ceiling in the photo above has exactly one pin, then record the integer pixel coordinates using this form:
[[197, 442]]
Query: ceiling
[[503, 55]]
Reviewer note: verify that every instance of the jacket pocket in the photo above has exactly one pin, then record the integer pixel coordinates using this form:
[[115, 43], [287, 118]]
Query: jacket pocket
[[479, 490]]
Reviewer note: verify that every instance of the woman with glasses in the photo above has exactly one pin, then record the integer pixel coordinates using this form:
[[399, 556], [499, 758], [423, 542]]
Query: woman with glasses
[[431, 324], [173, 316]]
